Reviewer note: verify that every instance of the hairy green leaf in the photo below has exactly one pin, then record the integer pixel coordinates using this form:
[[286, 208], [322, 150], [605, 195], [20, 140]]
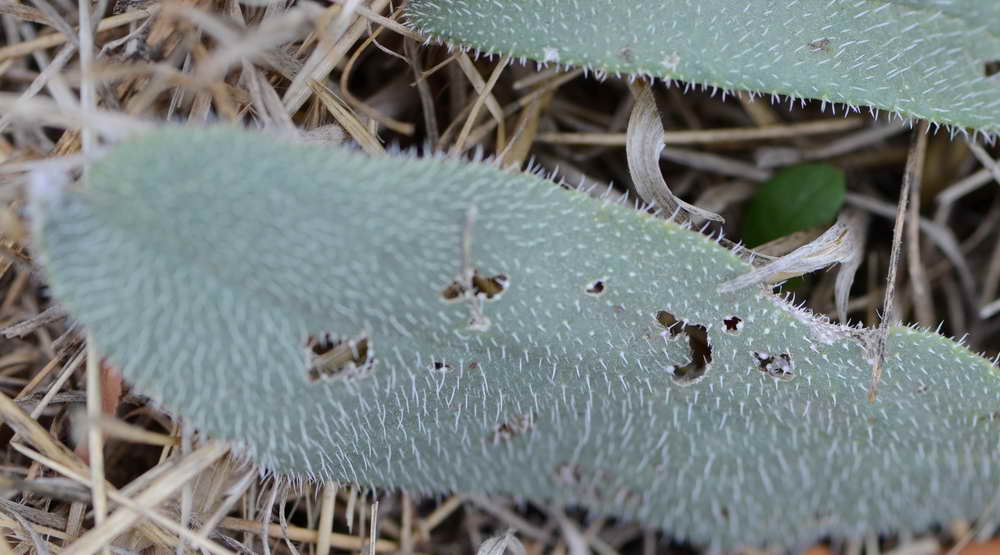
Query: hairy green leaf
[[919, 58], [445, 326], [795, 199]]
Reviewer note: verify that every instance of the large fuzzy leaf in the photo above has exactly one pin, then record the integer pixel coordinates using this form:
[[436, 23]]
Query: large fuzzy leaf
[[919, 58], [603, 368]]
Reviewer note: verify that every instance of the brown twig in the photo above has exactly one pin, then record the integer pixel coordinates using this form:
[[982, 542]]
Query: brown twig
[[918, 142]]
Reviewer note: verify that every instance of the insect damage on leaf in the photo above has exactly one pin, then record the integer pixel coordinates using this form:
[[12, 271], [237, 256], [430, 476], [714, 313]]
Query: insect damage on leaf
[[211, 274]]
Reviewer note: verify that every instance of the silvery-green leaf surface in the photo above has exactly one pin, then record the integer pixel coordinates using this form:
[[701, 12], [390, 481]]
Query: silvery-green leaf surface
[[919, 58], [203, 260]]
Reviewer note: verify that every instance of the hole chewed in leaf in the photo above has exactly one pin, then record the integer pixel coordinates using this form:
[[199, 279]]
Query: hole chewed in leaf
[[779, 367], [700, 348], [440, 367], [489, 287], [453, 292], [595, 288], [339, 358], [734, 324], [517, 424], [483, 287], [991, 68], [667, 320]]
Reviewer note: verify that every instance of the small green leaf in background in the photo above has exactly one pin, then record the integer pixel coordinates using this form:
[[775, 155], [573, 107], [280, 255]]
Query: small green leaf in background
[[797, 198]]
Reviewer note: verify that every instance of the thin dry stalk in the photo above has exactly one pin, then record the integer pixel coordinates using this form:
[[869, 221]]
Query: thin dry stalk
[[443, 511], [923, 303], [325, 528], [406, 535], [400, 127], [347, 120], [918, 142], [115, 428], [22, 12], [51, 69], [57, 386], [56, 39], [161, 489], [985, 159], [386, 22], [330, 51], [424, 90], [296, 533], [510, 518], [485, 96], [478, 133], [95, 440], [732, 135]]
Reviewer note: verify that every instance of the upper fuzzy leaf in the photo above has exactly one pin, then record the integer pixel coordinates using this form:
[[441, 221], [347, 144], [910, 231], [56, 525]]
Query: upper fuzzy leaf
[[314, 305], [920, 58]]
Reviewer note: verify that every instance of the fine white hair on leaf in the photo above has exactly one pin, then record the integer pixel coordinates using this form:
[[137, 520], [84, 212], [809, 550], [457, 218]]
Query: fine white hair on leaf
[[843, 52], [211, 277]]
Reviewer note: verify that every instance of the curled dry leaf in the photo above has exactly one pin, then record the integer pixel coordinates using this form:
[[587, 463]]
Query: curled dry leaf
[[843, 243], [644, 140], [500, 545]]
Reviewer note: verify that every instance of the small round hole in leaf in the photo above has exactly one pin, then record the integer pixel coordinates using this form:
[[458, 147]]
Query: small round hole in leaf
[[439, 366], [595, 288], [733, 324]]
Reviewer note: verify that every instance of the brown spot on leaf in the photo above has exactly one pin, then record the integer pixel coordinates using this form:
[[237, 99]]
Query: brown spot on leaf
[[518, 424], [821, 45], [453, 291]]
